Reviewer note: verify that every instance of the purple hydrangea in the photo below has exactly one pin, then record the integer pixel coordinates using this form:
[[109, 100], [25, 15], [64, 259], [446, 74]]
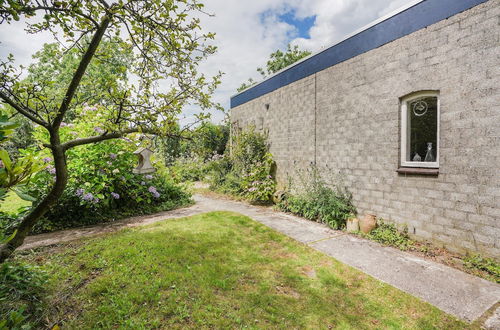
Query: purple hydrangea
[[79, 192], [88, 197], [115, 195], [99, 130], [153, 191], [112, 156], [63, 124], [89, 108], [47, 159], [149, 177], [51, 169]]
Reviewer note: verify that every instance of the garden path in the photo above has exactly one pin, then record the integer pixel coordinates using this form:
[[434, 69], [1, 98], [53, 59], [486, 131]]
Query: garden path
[[455, 292]]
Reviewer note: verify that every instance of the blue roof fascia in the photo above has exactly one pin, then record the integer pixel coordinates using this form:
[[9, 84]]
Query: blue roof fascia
[[401, 24]]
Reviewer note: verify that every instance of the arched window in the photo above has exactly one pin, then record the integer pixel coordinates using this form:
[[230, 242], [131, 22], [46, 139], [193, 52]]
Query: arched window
[[420, 130]]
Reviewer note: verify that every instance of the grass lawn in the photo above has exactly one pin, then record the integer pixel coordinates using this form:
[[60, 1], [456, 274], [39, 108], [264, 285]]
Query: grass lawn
[[12, 203], [217, 270]]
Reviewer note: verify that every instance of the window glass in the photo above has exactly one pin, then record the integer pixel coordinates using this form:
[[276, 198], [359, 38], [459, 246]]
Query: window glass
[[422, 129]]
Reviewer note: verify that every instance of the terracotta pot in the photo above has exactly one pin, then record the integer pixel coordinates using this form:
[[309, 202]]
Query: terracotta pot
[[368, 223], [352, 225]]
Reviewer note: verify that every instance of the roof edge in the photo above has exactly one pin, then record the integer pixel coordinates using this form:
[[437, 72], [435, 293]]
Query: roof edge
[[404, 21], [348, 36]]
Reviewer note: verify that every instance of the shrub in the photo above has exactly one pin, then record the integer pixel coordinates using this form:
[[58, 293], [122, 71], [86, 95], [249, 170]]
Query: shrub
[[246, 171], [21, 293], [201, 143], [187, 170], [102, 187], [315, 200], [388, 234]]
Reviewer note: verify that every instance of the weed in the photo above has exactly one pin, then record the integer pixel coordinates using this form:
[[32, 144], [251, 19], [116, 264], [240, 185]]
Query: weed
[[488, 265], [388, 234]]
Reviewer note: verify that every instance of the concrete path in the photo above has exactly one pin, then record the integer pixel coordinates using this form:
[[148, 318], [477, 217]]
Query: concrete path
[[455, 292]]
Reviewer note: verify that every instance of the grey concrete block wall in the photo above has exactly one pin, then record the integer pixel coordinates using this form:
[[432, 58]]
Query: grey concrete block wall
[[347, 118]]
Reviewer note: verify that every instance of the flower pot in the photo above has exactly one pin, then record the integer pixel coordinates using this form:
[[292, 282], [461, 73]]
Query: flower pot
[[352, 225], [368, 223]]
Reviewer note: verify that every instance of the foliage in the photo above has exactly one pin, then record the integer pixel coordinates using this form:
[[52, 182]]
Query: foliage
[[278, 61], [186, 273], [15, 174], [247, 170], [102, 185], [187, 170], [199, 144], [257, 183], [388, 234], [315, 200], [490, 266], [21, 294], [162, 44]]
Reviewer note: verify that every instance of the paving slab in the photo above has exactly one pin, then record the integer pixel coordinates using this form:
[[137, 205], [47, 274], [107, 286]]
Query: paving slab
[[457, 293]]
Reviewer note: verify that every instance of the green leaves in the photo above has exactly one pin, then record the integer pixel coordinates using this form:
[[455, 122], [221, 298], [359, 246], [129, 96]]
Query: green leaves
[[14, 174], [278, 61], [23, 195], [6, 127]]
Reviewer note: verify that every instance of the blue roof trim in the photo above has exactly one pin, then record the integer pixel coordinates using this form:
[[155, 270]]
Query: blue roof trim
[[402, 24]]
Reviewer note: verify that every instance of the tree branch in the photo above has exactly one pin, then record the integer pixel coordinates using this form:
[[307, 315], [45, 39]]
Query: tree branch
[[82, 67], [23, 111], [108, 136]]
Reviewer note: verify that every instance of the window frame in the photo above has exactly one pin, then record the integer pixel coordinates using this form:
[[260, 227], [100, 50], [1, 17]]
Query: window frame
[[404, 141]]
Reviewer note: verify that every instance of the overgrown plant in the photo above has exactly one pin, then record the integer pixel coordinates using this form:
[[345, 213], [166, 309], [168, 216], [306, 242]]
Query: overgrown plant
[[166, 44], [487, 265], [314, 198], [21, 295], [388, 234], [246, 169]]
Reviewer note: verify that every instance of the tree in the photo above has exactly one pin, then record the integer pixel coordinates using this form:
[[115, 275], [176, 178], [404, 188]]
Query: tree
[[166, 44], [55, 65], [278, 61]]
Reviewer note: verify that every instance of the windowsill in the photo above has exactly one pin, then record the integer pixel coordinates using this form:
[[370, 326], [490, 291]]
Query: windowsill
[[418, 171]]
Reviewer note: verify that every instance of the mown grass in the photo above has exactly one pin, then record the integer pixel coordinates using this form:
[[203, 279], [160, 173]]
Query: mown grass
[[217, 270]]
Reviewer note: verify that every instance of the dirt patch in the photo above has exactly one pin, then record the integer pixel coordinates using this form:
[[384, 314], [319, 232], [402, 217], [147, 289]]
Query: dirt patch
[[308, 271], [287, 291]]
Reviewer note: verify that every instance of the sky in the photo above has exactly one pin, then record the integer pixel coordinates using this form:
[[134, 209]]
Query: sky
[[247, 32]]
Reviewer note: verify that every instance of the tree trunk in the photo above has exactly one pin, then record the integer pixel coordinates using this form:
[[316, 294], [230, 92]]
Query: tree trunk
[[52, 197]]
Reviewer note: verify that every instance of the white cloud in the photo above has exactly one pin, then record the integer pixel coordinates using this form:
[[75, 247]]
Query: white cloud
[[337, 18], [246, 33]]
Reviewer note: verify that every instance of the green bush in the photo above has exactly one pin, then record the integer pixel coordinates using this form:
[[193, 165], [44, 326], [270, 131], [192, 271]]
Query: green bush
[[102, 187], [246, 171], [315, 200], [21, 293], [201, 143], [388, 234], [187, 170]]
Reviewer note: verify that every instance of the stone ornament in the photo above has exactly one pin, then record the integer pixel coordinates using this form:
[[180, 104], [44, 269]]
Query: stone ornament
[[144, 166]]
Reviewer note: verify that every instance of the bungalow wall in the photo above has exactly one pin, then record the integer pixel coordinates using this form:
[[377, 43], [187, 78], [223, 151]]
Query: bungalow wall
[[346, 119]]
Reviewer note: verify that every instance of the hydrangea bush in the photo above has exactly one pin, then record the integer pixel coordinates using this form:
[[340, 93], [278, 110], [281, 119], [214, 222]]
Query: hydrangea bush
[[102, 186]]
